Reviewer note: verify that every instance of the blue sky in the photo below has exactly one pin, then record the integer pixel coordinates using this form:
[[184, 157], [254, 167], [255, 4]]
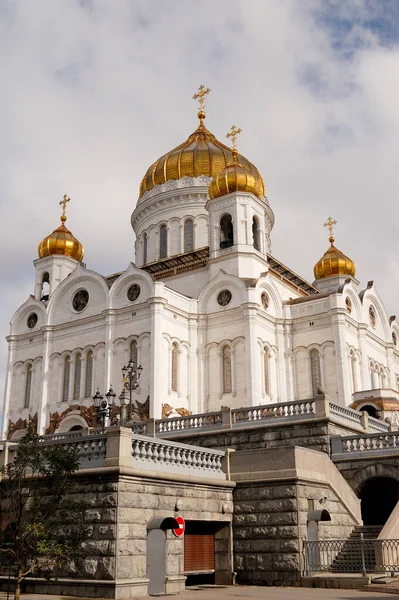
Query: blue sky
[[94, 91]]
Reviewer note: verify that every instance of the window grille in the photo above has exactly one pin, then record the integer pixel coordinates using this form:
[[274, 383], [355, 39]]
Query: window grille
[[89, 374], [28, 385], [227, 370], [188, 236], [67, 370], [175, 358]]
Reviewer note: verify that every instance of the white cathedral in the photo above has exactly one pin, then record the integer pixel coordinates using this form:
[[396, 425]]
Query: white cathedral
[[211, 316]]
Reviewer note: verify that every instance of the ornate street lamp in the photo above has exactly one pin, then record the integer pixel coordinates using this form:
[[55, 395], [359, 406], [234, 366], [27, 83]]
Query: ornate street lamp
[[131, 375], [103, 406]]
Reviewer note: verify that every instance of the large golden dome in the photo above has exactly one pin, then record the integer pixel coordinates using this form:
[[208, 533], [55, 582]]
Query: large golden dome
[[200, 154], [61, 240], [334, 262]]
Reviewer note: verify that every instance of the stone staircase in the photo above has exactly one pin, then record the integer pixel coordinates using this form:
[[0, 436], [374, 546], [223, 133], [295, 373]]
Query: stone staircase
[[349, 559]]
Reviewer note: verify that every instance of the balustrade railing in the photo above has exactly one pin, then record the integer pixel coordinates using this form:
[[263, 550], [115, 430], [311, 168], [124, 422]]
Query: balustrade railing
[[201, 421], [366, 443], [283, 410], [163, 455], [140, 428], [351, 556], [377, 425], [346, 414], [92, 449]]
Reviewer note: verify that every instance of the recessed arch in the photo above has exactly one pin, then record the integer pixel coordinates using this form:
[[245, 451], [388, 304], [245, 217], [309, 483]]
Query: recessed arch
[[378, 497], [226, 231]]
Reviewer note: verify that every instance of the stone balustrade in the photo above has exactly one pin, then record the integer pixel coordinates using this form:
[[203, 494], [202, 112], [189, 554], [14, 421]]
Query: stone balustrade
[[360, 446], [262, 415], [299, 409], [200, 421], [120, 447], [92, 448], [173, 457]]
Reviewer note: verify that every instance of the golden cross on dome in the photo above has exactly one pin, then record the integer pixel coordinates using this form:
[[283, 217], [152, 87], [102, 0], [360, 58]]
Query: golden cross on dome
[[63, 203], [330, 224], [200, 96], [233, 133]]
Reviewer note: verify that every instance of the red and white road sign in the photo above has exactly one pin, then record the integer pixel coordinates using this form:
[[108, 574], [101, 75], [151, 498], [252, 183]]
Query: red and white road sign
[[178, 532]]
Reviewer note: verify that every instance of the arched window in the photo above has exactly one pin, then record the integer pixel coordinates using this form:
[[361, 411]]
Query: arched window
[[78, 373], [175, 365], [28, 385], [89, 374], [45, 291], [226, 356], [163, 242], [67, 370], [226, 232], [353, 370], [145, 248], [188, 235], [266, 370], [133, 352], [315, 371], [255, 233]]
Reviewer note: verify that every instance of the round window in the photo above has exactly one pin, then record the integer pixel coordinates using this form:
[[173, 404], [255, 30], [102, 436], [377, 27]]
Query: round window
[[224, 297], [133, 292], [372, 316], [32, 320], [80, 300], [265, 300], [348, 304]]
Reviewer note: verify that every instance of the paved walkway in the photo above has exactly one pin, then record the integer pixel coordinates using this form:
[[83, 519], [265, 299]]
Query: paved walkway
[[277, 593], [248, 593]]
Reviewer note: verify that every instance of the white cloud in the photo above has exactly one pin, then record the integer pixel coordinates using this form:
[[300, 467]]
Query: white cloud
[[94, 91]]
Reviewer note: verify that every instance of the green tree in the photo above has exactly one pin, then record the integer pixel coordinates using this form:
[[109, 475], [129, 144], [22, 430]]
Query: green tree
[[43, 526]]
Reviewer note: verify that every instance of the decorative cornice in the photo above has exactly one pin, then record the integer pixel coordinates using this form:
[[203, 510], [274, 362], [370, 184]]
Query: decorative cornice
[[175, 184]]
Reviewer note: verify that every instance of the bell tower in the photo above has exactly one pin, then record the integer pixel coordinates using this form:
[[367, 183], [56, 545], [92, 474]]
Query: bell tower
[[59, 253], [240, 219]]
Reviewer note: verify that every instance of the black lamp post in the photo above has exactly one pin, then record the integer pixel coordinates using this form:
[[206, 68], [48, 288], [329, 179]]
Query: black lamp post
[[103, 406], [131, 375]]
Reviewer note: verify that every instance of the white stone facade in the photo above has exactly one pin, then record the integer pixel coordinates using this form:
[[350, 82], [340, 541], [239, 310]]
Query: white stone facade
[[272, 341]]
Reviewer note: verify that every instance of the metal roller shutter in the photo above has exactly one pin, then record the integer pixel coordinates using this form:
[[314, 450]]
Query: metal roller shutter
[[199, 553]]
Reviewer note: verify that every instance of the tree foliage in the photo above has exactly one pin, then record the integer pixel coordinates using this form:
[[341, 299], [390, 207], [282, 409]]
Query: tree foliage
[[43, 525]]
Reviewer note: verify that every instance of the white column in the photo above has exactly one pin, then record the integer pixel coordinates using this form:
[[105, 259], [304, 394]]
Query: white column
[[45, 385], [280, 360], [364, 370], [253, 388], [157, 365], [344, 384], [288, 388], [193, 390], [109, 354], [9, 392]]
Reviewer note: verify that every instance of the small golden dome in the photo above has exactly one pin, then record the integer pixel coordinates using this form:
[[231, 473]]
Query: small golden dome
[[236, 178], [333, 262], [201, 154], [61, 240]]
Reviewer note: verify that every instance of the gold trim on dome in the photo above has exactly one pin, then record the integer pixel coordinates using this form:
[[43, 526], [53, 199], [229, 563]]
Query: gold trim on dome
[[61, 240], [333, 262], [201, 154]]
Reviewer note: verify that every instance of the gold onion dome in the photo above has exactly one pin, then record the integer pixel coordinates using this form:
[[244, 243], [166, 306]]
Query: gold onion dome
[[333, 262], [61, 240], [236, 177], [201, 154]]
